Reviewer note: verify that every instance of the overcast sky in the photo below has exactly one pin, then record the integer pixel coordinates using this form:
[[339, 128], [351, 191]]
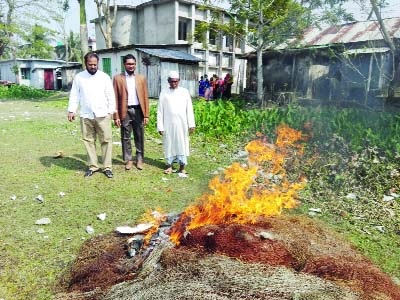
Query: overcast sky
[[360, 13]]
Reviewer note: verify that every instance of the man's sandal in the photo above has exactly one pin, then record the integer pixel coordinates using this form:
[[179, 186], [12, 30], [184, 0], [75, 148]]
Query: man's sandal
[[168, 170]]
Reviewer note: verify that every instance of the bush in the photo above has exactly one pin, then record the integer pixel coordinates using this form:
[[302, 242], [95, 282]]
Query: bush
[[23, 92]]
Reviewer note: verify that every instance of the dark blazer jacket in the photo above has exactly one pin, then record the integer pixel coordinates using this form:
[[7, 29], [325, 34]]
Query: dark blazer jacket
[[121, 95]]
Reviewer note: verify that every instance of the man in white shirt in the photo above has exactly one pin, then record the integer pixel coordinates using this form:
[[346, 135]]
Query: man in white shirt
[[92, 90], [175, 120]]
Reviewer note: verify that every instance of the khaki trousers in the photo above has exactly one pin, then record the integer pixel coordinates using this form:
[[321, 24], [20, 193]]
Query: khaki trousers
[[99, 127]]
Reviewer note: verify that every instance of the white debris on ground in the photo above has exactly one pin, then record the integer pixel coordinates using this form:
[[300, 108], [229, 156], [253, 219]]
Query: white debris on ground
[[387, 198], [89, 229], [183, 175], [43, 221], [61, 194], [13, 197], [102, 216], [137, 229], [351, 196], [39, 198]]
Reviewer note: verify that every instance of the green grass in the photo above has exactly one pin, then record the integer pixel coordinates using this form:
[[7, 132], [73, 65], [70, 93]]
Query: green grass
[[31, 131]]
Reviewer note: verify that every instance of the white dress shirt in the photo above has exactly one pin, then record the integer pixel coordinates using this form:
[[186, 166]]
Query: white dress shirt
[[93, 93], [131, 86]]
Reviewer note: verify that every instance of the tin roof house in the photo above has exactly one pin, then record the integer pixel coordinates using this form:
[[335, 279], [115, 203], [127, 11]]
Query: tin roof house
[[48, 74], [350, 63]]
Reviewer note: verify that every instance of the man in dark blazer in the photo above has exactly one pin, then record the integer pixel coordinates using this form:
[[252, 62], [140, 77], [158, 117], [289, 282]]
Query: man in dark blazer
[[132, 110]]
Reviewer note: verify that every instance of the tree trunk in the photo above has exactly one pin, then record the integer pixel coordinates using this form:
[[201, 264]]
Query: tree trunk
[[382, 27], [394, 85], [260, 78], [104, 13], [83, 30]]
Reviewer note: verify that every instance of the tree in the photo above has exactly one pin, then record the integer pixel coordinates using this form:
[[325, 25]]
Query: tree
[[73, 49], [37, 43], [271, 22], [83, 29], [108, 14]]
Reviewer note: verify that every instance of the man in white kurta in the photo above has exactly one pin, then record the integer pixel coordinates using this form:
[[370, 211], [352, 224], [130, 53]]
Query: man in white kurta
[[175, 120]]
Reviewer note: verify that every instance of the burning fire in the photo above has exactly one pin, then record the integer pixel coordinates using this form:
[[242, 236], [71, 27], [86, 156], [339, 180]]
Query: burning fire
[[155, 218], [247, 193]]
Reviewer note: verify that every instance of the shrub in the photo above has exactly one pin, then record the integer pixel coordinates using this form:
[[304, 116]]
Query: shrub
[[23, 92]]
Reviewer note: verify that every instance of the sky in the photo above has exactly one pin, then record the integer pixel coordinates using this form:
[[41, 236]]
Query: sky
[[360, 13]]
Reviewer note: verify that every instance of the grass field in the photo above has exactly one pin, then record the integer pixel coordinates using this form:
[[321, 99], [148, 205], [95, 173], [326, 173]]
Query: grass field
[[31, 132]]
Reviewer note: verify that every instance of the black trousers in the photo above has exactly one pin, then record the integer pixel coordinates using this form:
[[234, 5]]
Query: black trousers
[[133, 122]]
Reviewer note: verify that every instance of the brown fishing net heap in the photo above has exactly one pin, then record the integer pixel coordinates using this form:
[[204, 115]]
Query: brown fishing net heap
[[286, 257]]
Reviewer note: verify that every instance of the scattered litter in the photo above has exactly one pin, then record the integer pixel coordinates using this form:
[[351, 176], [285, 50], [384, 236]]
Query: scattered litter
[[40, 231], [36, 186], [13, 197], [46, 237], [117, 143], [387, 198], [58, 154], [394, 195], [89, 229], [43, 221], [316, 210], [182, 175], [264, 235], [137, 229], [351, 196], [312, 214], [161, 158], [61, 194], [380, 229], [164, 179], [39, 198], [102, 216], [223, 146], [135, 244]]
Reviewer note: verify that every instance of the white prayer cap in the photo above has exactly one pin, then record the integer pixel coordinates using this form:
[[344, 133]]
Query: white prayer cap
[[173, 74]]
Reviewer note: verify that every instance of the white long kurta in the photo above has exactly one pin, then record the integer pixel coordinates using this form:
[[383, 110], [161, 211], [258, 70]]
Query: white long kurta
[[174, 117]]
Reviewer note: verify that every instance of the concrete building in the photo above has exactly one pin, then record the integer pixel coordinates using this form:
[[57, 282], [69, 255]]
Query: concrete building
[[171, 24], [45, 74]]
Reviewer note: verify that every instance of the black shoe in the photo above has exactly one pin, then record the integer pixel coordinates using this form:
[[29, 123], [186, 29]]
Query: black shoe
[[108, 173], [89, 173]]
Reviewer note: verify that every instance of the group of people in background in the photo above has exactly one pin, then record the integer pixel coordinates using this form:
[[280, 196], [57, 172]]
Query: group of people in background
[[125, 101], [215, 87]]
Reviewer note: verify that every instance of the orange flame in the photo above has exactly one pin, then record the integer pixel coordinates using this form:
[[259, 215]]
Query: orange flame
[[154, 217], [247, 193]]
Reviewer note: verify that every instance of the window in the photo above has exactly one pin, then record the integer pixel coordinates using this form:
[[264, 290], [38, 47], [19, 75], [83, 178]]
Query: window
[[228, 41], [122, 64], [182, 30], [107, 65], [212, 38], [26, 73]]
